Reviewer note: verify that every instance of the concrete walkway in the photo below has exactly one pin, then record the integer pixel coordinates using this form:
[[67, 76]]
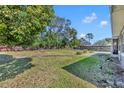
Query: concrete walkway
[[96, 52]]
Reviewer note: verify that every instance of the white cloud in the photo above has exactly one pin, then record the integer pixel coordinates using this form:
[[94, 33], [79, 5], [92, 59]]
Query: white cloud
[[103, 23], [90, 19], [82, 35]]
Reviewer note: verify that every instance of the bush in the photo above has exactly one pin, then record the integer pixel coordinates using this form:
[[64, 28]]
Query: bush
[[85, 51], [91, 51], [78, 53]]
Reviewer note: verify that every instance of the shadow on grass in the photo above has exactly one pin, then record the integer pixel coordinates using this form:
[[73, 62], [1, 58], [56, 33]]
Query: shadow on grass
[[83, 68], [6, 59], [89, 69], [10, 66]]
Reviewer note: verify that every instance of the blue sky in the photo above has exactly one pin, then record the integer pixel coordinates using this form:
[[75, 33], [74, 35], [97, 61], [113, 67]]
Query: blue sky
[[87, 19]]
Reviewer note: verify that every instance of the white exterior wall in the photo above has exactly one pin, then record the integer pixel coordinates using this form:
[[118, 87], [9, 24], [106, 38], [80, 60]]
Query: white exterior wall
[[117, 24], [121, 54]]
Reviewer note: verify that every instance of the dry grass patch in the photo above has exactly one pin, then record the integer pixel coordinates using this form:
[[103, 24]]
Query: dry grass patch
[[47, 71]]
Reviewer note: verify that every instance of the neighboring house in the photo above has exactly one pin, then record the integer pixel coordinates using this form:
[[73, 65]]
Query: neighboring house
[[117, 23]]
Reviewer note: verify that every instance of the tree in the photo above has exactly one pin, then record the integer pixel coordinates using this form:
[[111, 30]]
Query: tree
[[50, 40], [21, 25], [64, 31], [59, 34], [89, 36], [84, 42], [103, 42], [74, 43]]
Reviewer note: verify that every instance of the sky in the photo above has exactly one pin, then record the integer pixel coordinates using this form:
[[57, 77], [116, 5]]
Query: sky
[[87, 19]]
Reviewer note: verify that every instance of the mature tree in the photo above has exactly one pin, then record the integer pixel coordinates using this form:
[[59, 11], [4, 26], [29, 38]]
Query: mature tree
[[64, 31], [89, 36], [50, 39], [20, 25], [84, 42], [59, 34]]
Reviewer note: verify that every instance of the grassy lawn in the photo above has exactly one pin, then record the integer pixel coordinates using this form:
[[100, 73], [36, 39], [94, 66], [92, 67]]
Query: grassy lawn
[[94, 69], [45, 68]]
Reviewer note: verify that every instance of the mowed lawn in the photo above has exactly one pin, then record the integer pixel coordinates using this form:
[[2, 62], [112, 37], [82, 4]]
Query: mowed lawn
[[43, 68]]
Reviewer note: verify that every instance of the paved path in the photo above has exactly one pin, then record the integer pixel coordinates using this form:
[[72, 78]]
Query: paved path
[[97, 52]]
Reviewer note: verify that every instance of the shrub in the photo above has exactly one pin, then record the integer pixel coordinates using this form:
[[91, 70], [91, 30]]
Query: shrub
[[85, 51], [78, 53], [91, 51]]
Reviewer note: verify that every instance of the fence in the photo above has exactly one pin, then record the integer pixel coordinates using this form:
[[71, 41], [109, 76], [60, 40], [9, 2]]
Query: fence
[[96, 48]]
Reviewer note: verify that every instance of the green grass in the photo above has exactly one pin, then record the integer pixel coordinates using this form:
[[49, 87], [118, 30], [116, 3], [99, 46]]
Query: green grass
[[89, 68], [46, 71], [84, 67]]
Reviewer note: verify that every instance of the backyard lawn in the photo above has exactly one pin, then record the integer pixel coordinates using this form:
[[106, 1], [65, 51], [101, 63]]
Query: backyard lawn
[[55, 68], [44, 68]]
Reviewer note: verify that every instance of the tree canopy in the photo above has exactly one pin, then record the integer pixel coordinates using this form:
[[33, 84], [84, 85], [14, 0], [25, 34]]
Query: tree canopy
[[89, 36], [19, 25], [103, 42], [59, 34], [35, 26]]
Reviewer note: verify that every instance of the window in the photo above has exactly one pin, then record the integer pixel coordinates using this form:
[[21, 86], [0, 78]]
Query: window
[[115, 46]]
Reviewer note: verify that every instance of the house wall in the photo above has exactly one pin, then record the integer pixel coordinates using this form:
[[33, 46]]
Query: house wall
[[121, 46], [117, 24]]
